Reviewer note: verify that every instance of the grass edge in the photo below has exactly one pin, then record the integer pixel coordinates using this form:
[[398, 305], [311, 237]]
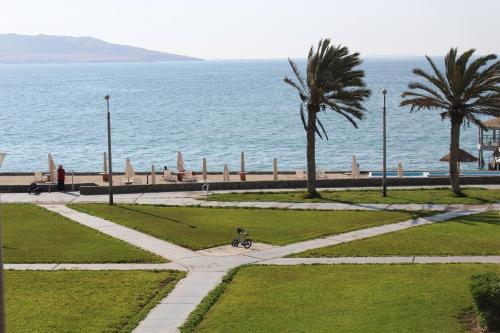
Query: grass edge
[[198, 314]]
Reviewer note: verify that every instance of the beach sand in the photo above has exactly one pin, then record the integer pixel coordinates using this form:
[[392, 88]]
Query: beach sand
[[118, 178]]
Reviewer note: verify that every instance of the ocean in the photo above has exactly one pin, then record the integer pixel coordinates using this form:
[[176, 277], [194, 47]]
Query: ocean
[[212, 109]]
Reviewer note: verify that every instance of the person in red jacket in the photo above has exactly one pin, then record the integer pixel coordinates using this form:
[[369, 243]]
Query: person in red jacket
[[61, 175]]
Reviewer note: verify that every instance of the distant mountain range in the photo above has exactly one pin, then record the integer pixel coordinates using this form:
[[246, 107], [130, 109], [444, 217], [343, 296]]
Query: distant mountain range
[[16, 48]]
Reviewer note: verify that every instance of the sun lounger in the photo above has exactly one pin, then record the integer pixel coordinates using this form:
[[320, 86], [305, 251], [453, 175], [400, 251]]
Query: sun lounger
[[321, 174], [40, 178], [300, 174], [168, 176], [188, 176], [128, 181]]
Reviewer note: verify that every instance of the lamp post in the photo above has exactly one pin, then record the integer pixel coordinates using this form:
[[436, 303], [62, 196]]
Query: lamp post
[[110, 165], [2, 298], [384, 177]]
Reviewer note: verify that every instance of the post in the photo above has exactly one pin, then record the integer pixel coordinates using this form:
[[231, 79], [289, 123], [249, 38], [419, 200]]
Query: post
[[72, 180], [2, 298], [110, 165], [384, 177]]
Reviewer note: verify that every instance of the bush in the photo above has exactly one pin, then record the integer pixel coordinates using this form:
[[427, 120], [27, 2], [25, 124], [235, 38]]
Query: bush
[[485, 290]]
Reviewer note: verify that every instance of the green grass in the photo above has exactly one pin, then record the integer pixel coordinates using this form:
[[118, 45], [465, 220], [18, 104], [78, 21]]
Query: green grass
[[83, 301], [345, 298], [199, 228], [471, 235], [33, 234], [429, 196]]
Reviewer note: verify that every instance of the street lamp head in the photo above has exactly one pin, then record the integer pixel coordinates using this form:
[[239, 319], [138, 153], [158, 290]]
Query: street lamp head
[[384, 91], [106, 97]]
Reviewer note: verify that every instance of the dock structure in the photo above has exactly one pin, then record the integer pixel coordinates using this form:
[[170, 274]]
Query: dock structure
[[489, 140]]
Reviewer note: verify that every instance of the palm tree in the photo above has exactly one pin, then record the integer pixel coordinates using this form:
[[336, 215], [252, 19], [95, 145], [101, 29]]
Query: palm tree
[[462, 94], [332, 83]]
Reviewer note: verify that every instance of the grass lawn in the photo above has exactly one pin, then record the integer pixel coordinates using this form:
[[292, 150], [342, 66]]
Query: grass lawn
[[199, 228], [345, 298], [83, 301], [429, 196], [33, 234], [471, 235]]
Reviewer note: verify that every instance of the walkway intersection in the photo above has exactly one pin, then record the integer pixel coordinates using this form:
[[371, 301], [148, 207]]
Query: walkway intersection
[[207, 267]]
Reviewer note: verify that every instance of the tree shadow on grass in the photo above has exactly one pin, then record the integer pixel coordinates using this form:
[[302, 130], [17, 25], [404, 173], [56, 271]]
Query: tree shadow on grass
[[138, 211], [478, 219]]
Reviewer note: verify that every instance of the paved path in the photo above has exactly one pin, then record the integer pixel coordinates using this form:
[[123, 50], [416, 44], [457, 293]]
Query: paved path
[[207, 267], [149, 243], [189, 199], [174, 309], [383, 260], [94, 267]]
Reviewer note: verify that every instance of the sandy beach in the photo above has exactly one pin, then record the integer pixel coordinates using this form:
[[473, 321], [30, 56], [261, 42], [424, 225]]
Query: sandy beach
[[26, 179]]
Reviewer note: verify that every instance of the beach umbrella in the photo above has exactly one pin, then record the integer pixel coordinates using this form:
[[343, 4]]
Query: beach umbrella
[[463, 157], [242, 162], [204, 169], [180, 162], [400, 169], [105, 163], [275, 169], [354, 167], [129, 170], [225, 175], [153, 175], [52, 168]]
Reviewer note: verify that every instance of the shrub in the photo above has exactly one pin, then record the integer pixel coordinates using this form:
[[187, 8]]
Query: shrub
[[485, 290]]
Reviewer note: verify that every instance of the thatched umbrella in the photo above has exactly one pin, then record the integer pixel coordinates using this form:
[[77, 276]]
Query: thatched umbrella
[[463, 157]]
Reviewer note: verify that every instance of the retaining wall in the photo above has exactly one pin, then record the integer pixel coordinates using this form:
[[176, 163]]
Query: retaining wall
[[286, 184]]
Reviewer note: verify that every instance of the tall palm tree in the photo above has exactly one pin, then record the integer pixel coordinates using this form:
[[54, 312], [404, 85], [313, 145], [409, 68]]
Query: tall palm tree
[[462, 94], [331, 83]]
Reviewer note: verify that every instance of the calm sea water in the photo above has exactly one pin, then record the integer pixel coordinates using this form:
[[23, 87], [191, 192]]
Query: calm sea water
[[212, 109]]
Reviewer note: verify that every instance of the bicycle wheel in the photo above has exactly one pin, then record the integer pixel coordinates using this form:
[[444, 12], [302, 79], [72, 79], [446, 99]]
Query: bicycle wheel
[[247, 243]]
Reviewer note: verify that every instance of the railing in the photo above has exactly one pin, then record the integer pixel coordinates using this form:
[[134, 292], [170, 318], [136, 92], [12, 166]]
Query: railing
[[490, 141]]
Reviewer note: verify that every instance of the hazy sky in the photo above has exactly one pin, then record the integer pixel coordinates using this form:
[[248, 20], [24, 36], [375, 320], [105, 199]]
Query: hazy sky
[[222, 29]]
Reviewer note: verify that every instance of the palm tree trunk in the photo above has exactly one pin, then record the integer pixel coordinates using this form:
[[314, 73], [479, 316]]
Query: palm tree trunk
[[454, 157], [311, 154]]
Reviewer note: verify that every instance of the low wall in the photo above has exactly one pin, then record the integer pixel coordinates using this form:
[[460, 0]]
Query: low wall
[[43, 187], [286, 184]]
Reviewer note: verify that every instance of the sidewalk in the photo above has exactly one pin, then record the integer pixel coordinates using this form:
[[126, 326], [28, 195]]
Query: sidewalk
[[188, 199]]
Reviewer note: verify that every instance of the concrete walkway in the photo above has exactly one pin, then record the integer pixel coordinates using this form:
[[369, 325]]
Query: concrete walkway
[[149, 243], [384, 260], [94, 267], [207, 267], [174, 309], [189, 199]]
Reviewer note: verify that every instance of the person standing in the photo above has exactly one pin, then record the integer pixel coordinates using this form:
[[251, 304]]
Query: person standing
[[61, 175]]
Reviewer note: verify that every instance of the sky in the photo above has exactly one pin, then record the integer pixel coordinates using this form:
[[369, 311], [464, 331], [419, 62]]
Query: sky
[[265, 29]]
